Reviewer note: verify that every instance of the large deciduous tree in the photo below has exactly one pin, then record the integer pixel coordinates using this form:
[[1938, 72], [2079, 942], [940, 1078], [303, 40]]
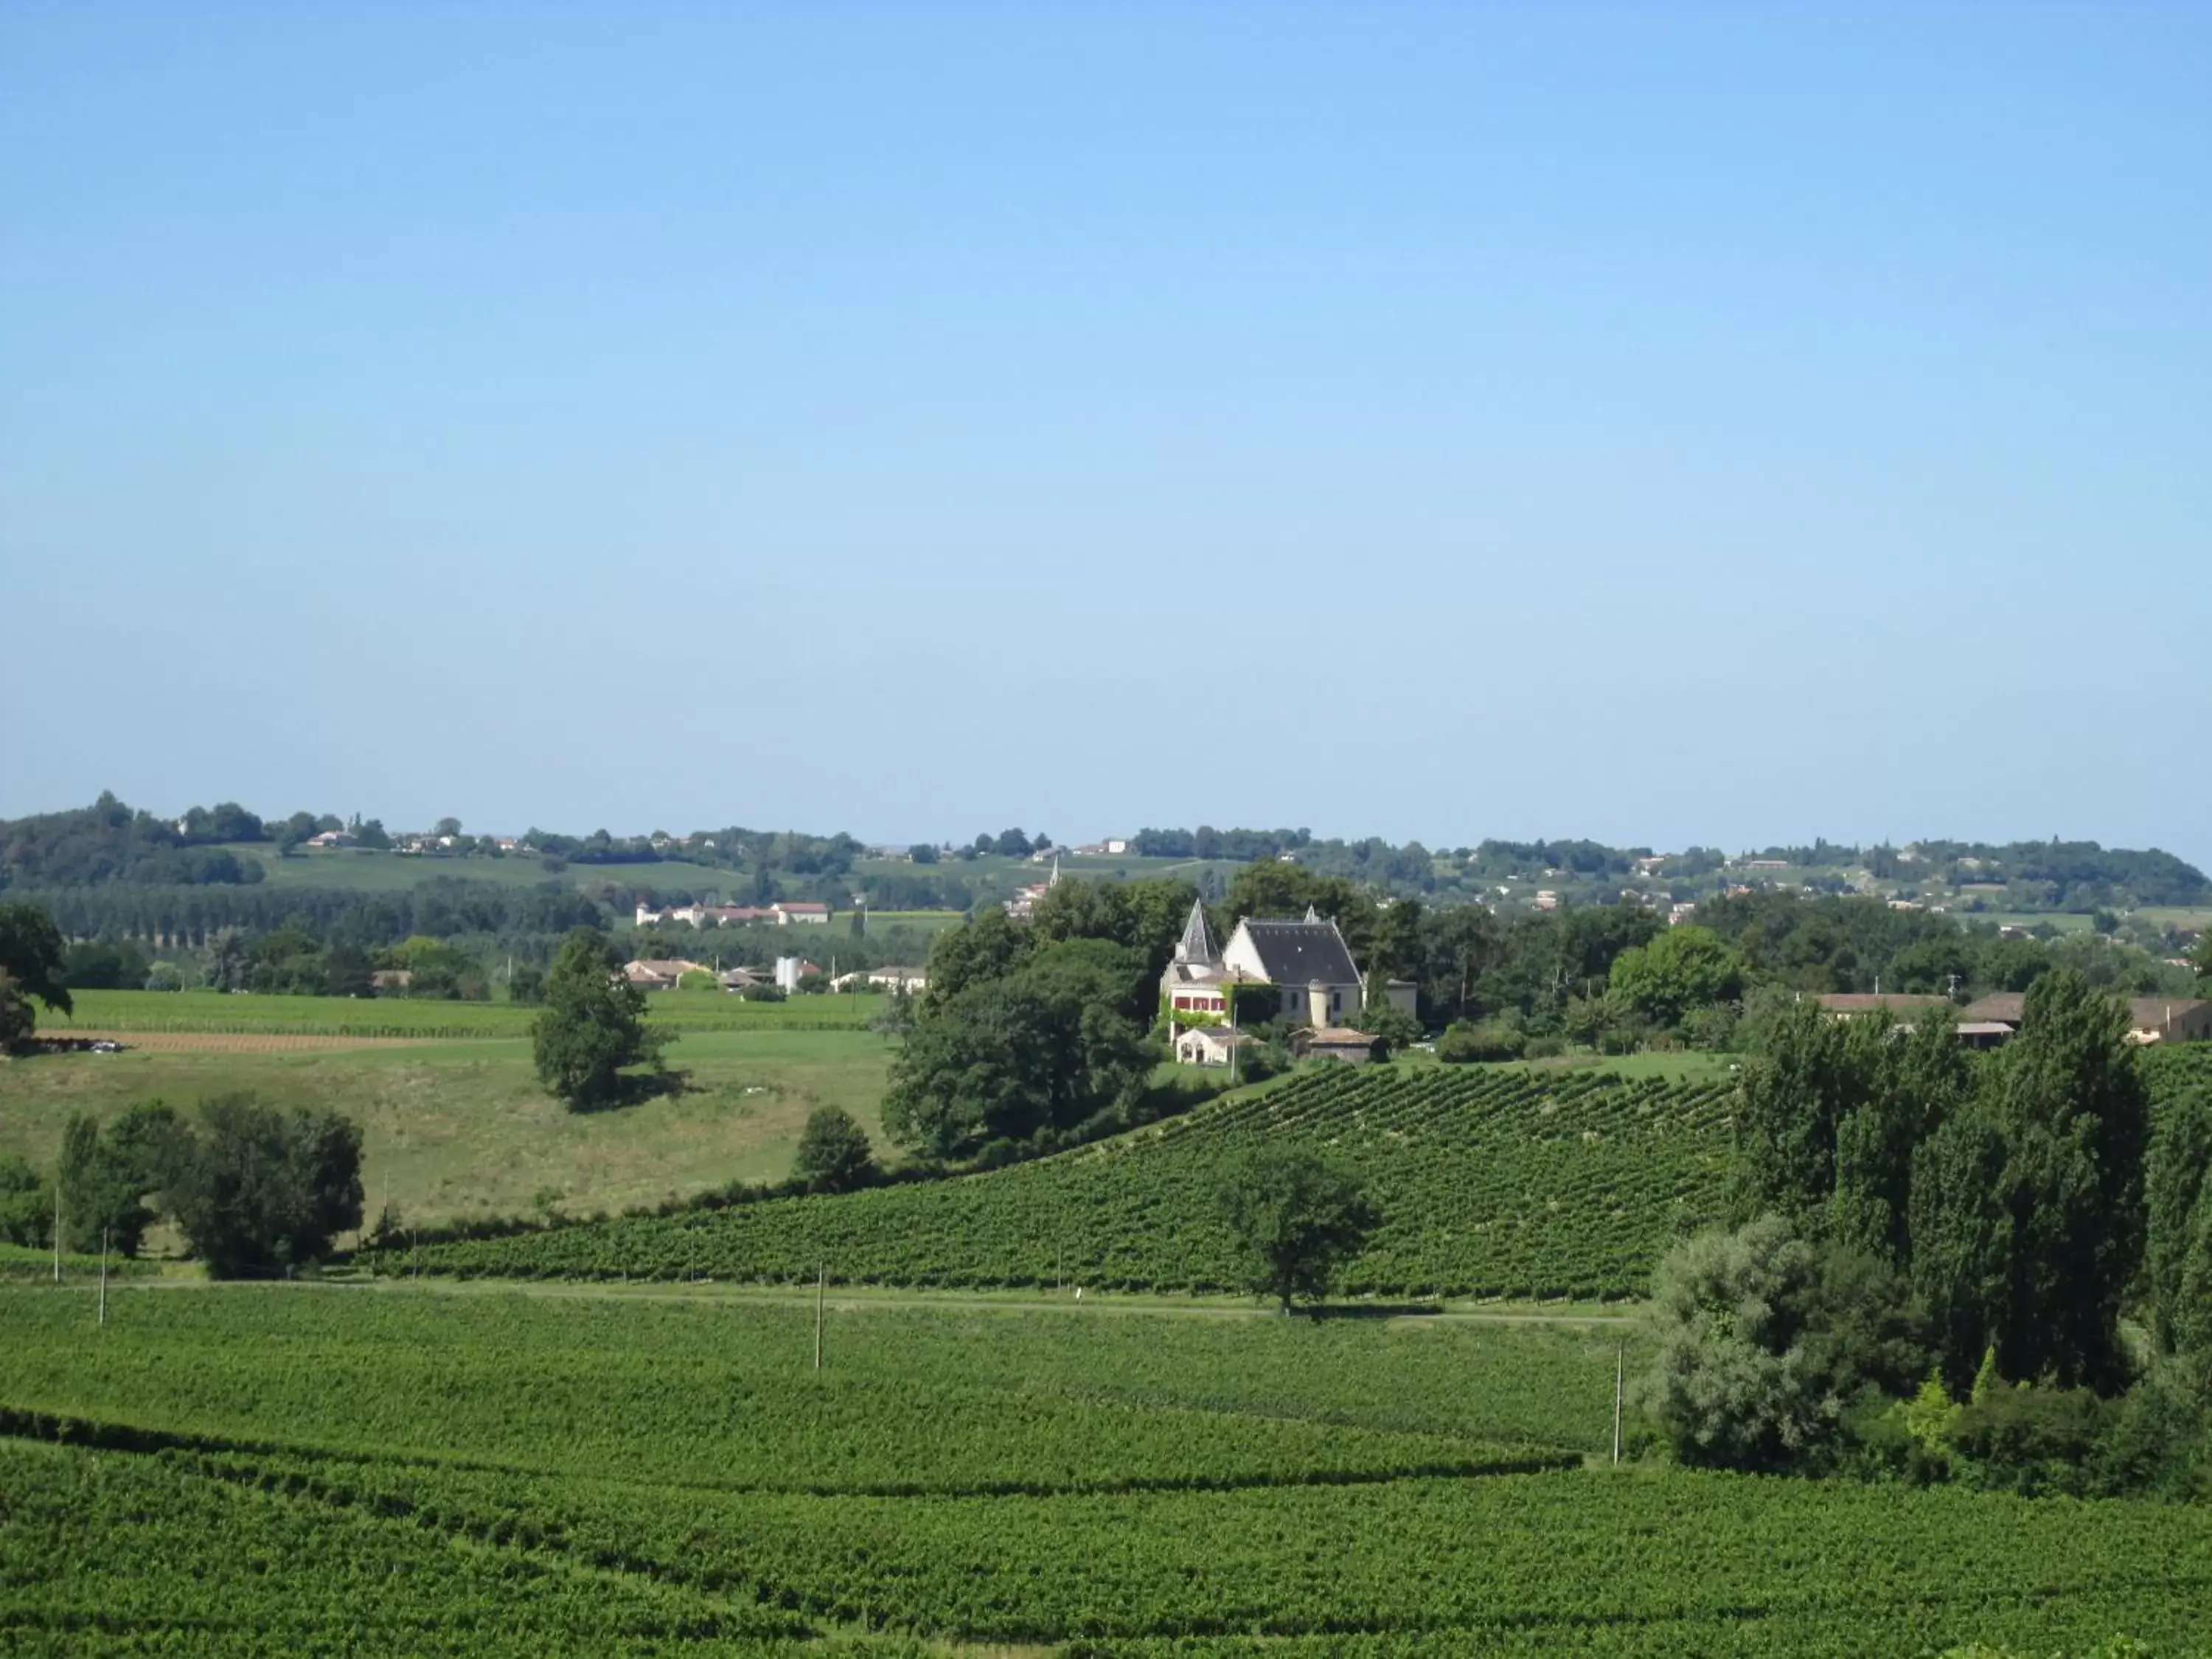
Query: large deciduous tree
[[593, 1026], [257, 1191], [1295, 1218], [1017, 1057], [107, 1175], [33, 963], [1680, 970]]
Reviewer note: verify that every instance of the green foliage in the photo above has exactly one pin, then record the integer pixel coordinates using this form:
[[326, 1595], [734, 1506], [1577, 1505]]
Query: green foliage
[[526, 984], [2178, 1235], [833, 1155], [18, 1020], [1928, 1417], [2069, 1099], [1294, 1218], [26, 1205], [991, 946], [2030, 1440], [438, 969], [1037, 1052], [2014, 1195], [896, 1018], [1831, 1110], [33, 963], [592, 1026], [257, 1191], [1681, 971], [1464, 1044], [1383, 1021], [107, 965], [1762, 1345], [105, 1177]]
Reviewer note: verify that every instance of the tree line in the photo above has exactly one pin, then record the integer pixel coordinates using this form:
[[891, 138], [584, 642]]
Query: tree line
[[1940, 1256], [256, 1191]]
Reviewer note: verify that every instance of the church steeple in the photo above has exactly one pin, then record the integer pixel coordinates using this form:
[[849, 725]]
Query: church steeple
[[1197, 944]]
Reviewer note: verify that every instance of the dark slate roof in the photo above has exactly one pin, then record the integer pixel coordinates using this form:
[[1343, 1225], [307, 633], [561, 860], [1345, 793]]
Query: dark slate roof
[[1299, 952]]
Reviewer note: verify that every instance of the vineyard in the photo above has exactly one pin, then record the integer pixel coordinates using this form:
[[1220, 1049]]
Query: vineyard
[[274, 1470], [1492, 1180], [214, 1013]]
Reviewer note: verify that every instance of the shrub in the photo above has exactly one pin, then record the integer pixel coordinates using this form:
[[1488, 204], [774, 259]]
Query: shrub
[[1462, 1042], [2030, 1440], [834, 1154], [26, 1205], [1763, 1343]]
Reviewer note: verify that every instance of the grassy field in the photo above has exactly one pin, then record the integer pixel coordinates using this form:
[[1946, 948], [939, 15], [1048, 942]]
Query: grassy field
[[2062, 921], [2186, 918], [458, 1129], [214, 1011], [930, 923], [307, 1469]]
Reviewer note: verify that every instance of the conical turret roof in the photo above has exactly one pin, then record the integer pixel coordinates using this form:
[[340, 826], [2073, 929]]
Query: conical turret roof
[[1197, 943]]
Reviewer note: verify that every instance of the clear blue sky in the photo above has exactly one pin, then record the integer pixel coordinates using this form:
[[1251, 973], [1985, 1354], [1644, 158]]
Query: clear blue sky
[[1731, 423]]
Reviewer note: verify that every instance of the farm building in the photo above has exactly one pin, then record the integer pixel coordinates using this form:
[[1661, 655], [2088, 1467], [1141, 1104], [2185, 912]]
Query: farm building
[[2150, 1020], [660, 974], [1336, 1042], [1209, 1045]]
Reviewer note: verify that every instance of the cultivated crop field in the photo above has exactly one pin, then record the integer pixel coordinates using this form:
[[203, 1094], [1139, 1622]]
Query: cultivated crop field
[[1492, 1180], [386, 1468]]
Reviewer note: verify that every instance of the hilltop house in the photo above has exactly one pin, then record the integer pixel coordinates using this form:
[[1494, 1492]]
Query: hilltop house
[[1306, 965]]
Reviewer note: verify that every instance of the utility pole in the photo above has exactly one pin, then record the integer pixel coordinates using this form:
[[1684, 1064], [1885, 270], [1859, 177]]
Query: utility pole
[[821, 1288], [57, 1222], [1620, 1386], [103, 1275]]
